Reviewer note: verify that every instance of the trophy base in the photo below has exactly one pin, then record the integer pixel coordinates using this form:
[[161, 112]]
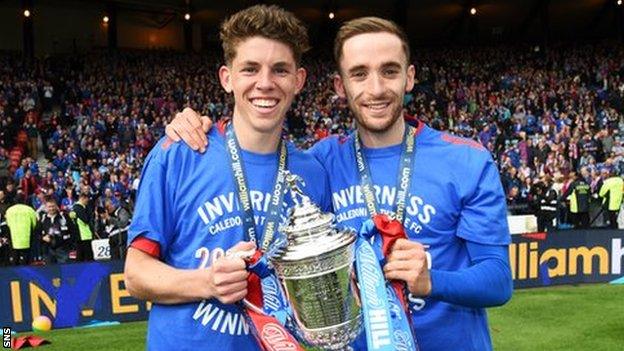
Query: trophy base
[[336, 337]]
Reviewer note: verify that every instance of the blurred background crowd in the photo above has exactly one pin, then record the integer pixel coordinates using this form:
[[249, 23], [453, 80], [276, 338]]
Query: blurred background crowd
[[76, 129]]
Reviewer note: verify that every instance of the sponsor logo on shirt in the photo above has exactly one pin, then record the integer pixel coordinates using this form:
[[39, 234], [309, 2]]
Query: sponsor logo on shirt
[[349, 204], [223, 212], [211, 315]]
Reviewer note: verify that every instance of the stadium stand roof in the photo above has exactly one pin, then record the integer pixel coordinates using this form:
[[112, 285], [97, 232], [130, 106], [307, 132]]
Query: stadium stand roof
[[435, 20]]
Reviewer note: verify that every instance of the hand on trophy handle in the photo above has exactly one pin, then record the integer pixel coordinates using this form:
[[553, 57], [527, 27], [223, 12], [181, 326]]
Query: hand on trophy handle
[[408, 262], [227, 280]]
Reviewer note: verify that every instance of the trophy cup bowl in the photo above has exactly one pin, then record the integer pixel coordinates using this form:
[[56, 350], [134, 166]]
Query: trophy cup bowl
[[315, 267]]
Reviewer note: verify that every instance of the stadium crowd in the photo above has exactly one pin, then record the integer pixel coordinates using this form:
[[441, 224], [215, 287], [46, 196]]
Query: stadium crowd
[[75, 131]]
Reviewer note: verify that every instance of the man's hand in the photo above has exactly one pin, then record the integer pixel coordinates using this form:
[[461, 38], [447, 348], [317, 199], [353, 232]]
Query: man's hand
[[228, 277], [191, 128], [408, 262], [46, 238]]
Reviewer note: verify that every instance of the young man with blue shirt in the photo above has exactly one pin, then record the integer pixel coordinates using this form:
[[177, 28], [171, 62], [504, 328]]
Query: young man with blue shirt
[[192, 209], [455, 262]]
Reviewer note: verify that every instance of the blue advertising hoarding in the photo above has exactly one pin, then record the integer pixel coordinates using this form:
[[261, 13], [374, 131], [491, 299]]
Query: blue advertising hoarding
[[71, 295], [77, 294], [567, 257]]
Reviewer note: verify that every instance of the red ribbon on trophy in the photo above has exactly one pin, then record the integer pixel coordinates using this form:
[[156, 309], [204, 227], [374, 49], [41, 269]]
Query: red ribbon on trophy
[[271, 335], [391, 230]]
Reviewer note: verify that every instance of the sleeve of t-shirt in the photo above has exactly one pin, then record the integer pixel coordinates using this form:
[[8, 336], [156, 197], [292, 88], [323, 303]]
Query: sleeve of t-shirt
[[321, 150], [486, 283], [153, 216], [483, 217]]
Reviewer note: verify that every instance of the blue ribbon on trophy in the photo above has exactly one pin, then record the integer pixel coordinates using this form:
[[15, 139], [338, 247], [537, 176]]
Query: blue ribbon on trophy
[[386, 321]]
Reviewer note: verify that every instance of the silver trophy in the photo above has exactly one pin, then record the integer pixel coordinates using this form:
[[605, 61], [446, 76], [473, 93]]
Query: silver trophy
[[315, 266]]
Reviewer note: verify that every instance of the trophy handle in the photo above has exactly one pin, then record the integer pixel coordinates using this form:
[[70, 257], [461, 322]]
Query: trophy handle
[[252, 307], [356, 287]]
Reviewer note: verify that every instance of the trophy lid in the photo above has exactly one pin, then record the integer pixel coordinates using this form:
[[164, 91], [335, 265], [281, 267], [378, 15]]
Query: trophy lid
[[309, 232]]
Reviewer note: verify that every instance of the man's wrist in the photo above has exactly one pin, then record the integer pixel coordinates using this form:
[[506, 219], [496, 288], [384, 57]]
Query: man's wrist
[[200, 288], [436, 279]]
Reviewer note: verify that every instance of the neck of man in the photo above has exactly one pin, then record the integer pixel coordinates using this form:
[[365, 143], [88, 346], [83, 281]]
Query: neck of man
[[389, 137], [254, 140]]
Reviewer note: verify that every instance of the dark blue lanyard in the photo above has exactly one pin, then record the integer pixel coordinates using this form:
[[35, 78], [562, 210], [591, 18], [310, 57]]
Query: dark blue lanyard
[[277, 195], [403, 178]]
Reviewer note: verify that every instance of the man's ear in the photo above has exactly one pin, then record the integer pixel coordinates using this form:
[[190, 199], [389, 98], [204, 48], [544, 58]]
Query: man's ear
[[339, 86], [225, 78], [409, 82], [301, 76]]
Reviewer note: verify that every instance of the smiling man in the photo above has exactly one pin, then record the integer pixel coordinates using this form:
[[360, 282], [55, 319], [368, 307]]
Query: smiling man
[[193, 208], [444, 189]]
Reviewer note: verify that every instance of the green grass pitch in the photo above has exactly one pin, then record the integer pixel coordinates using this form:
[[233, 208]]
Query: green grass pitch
[[587, 317]]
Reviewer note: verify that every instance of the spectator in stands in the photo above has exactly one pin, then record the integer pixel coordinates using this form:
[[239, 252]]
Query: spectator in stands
[[57, 233], [28, 185], [548, 205], [21, 220], [48, 94], [38, 201], [10, 192], [597, 178], [4, 203], [578, 194], [611, 194], [21, 171], [117, 217], [5, 243], [32, 131], [82, 214], [4, 167]]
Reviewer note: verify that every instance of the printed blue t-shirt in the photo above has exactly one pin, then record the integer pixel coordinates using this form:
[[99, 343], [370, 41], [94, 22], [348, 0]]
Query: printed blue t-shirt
[[188, 203], [455, 196]]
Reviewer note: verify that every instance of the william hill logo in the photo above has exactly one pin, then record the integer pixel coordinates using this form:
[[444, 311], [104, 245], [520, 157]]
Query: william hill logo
[[529, 262]]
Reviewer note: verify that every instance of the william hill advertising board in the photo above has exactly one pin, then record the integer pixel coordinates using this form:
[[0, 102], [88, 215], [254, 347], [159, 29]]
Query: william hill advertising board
[[567, 257]]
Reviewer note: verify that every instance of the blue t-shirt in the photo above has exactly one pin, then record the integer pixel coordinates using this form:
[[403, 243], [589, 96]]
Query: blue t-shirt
[[455, 196], [188, 203]]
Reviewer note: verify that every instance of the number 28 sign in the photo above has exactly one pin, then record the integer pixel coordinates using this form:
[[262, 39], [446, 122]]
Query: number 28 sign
[[101, 249]]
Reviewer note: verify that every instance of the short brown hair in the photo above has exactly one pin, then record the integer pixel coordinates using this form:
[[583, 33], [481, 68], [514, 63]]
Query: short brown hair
[[271, 22], [365, 25]]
